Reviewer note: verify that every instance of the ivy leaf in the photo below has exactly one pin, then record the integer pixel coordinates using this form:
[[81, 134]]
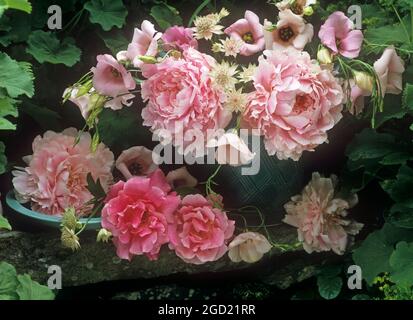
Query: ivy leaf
[[22, 5], [31, 290], [329, 287], [401, 262], [3, 159], [8, 280], [16, 77], [46, 47], [4, 223], [107, 13], [166, 15]]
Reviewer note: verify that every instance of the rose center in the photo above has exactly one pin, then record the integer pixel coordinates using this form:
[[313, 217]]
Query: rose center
[[248, 38], [302, 103], [286, 33]]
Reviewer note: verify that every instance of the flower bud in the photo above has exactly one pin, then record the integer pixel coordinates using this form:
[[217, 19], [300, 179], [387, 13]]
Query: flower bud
[[363, 80], [69, 239], [148, 59], [324, 56], [308, 11], [103, 235], [69, 219]]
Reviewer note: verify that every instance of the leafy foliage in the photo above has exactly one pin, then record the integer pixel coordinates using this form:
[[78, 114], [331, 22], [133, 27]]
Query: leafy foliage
[[16, 77], [165, 15], [4, 224], [22, 5], [3, 159], [107, 13], [329, 282]]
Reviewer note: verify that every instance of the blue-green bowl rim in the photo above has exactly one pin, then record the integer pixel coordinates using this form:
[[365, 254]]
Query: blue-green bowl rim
[[92, 224]]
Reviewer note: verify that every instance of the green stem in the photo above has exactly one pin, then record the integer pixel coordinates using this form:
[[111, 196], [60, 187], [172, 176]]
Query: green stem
[[401, 22], [94, 212], [197, 11]]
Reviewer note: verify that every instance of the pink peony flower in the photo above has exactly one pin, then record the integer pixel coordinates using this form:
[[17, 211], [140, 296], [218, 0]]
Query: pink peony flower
[[55, 178], [179, 38], [110, 78], [294, 104], [250, 32], [321, 218], [181, 178], [231, 149], [390, 68], [144, 43], [181, 98], [136, 161], [338, 34], [198, 232], [135, 213], [291, 31], [249, 247]]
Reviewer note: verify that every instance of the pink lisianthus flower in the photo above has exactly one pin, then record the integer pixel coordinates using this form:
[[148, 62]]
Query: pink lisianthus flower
[[179, 38], [144, 43], [198, 232], [338, 34], [110, 78], [390, 68], [136, 161], [291, 32], [321, 218], [250, 32], [181, 178], [56, 174], [135, 213], [294, 104], [181, 100]]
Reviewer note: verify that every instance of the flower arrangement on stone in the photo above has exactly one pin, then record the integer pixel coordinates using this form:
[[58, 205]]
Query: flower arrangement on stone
[[198, 101]]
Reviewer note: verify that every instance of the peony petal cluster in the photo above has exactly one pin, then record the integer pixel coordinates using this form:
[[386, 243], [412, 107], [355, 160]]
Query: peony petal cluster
[[198, 232], [181, 99], [321, 218], [250, 32], [136, 213], [338, 34], [294, 104], [56, 174], [144, 43], [179, 38]]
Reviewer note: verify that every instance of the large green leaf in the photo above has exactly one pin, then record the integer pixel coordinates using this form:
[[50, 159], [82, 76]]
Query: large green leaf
[[329, 287], [401, 262], [8, 280], [3, 159], [4, 223], [166, 15], [7, 108], [115, 42], [31, 290], [16, 77], [22, 5], [107, 13], [46, 47], [13, 29]]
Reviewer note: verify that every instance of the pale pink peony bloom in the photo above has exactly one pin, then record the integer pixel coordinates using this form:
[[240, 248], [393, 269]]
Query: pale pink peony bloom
[[198, 232], [135, 213], [56, 176], [338, 34], [110, 78], [231, 149], [291, 31], [249, 247], [250, 32], [144, 43], [294, 104], [179, 38], [321, 218], [136, 161], [181, 100], [181, 178], [390, 68]]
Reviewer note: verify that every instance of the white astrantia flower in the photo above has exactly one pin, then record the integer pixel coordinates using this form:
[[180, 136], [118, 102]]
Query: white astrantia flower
[[224, 75]]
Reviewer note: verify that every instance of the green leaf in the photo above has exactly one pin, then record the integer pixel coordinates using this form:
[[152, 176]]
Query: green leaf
[[8, 280], [7, 108], [16, 77], [374, 253], [95, 187], [46, 47], [361, 297], [22, 5], [31, 290], [48, 119], [4, 223], [408, 97], [401, 262], [107, 13], [166, 15], [387, 35], [3, 159], [13, 29], [115, 42], [329, 287]]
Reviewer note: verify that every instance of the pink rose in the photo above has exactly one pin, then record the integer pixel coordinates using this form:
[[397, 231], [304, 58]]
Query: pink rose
[[110, 78], [135, 213], [291, 31], [250, 32], [56, 176], [294, 104], [181, 99], [320, 218], [144, 43], [138, 159], [390, 68], [338, 34], [179, 38], [198, 232]]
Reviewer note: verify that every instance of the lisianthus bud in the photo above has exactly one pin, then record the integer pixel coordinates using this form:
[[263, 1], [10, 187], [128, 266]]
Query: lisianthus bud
[[324, 56], [84, 89], [69, 239], [363, 80], [148, 59], [103, 235], [308, 11]]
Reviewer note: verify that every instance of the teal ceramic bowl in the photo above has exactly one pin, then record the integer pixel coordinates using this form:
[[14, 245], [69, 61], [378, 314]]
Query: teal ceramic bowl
[[43, 219]]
